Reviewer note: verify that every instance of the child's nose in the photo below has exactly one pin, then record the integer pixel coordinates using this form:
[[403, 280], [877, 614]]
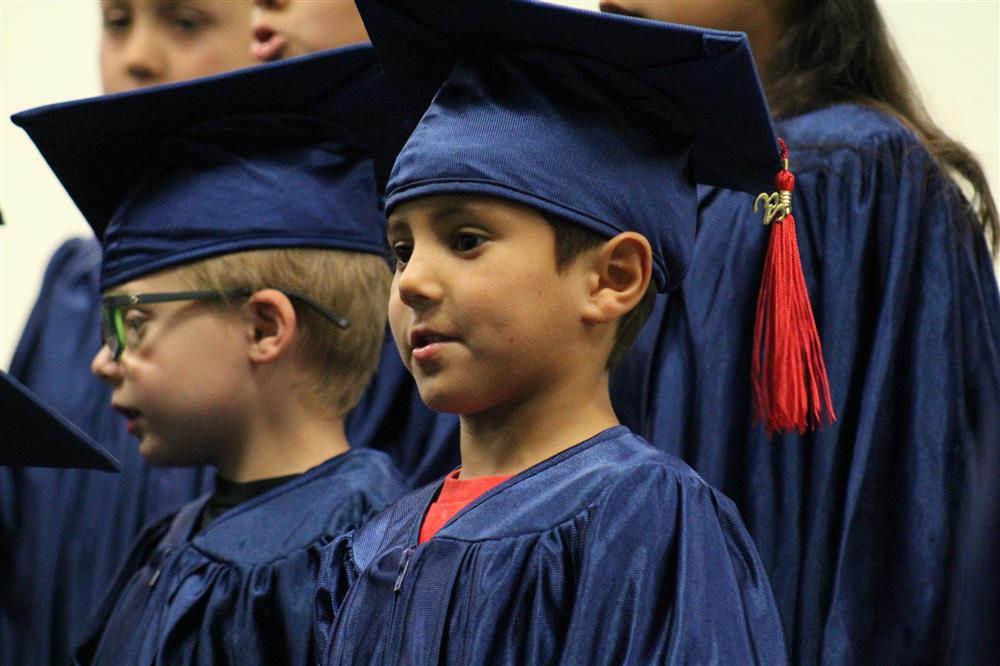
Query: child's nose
[[271, 4], [105, 367], [418, 282], [145, 62]]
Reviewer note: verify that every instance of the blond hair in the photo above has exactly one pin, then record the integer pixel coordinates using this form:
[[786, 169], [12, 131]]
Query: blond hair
[[338, 363]]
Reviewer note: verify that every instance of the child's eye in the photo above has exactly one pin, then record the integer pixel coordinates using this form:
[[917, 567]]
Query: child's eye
[[134, 319], [134, 322], [401, 251], [187, 24], [117, 19], [187, 21], [467, 242]]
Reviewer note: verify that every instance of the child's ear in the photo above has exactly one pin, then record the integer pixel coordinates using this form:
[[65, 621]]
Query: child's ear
[[272, 326], [620, 274]]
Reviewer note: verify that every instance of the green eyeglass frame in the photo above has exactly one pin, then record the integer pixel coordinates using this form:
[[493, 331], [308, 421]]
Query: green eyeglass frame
[[114, 307]]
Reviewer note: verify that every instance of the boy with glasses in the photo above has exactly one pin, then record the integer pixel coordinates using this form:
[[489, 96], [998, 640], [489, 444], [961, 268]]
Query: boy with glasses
[[244, 312], [43, 606]]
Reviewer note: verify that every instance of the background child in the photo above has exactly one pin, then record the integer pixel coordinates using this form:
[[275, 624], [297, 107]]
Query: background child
[[245, 280], [286, 28], [542, 195], [907, 305], [145, 42]]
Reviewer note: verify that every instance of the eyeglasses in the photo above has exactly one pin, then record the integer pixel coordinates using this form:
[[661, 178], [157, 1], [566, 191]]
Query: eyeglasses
[[113, 330]]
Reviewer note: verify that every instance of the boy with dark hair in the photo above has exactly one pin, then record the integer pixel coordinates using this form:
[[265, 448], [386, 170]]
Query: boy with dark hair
[[245, 288], [563, 537]]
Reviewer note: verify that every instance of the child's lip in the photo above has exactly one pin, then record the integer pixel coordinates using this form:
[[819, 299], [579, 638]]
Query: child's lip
[[127, 412], [269, 44], [429, 351], [612, 8], [423, 336], [131, 417], [426, 343]]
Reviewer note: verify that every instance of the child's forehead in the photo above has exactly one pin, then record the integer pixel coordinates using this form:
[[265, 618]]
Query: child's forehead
[[165, 280], [178, 4], [443, 209]]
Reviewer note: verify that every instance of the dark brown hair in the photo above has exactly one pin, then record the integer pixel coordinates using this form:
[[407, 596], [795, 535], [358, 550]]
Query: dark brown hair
[[573, 240], [837, 51]]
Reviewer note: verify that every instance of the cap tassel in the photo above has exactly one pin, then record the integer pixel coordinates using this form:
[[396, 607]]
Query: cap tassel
[[790, 385]]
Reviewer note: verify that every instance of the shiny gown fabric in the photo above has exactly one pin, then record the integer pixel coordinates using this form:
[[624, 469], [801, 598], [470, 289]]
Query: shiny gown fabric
[[240, 590], [856, 524], [608, 553], [64, 533], [975, 613]]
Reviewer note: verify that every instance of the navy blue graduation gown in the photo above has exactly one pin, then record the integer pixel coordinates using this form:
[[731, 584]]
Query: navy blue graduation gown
[[64, 533], [608, 553], [974, 617], [239, 591], [855, 524]]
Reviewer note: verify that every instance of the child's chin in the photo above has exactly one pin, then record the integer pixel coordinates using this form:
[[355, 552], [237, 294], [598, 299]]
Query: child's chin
[[449, 402], [160, 454], [438, 404]]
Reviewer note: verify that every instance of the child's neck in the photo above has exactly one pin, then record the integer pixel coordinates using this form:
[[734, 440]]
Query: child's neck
[[510, 439], [287, 442]]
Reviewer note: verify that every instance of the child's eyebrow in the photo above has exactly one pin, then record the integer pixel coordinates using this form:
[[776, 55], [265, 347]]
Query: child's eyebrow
[[445, 212], [401, 224], [397, 226], [452, 215]]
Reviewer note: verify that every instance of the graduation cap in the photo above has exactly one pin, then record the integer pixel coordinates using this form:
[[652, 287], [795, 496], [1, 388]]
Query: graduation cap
[[605, 121], [289, 154], [32, 434]]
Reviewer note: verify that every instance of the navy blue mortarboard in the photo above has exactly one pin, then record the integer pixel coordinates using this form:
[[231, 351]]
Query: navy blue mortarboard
[[290, 154], [606, 121], [32, 434]]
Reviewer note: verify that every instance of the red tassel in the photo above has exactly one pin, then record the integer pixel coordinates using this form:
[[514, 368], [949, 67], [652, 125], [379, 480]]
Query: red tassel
[[791, 389]]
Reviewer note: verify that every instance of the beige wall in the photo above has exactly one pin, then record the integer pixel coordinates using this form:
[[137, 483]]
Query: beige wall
[[48, 53]]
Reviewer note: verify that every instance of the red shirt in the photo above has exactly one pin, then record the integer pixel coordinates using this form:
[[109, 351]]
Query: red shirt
[[454, 496]]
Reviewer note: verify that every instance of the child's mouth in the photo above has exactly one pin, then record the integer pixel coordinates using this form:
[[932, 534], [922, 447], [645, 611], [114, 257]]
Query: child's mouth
[[612, 8], [426, 345], [131, 417], [269, 44]]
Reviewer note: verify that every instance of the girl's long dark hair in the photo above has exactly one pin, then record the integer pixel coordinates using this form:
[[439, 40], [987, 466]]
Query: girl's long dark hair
[[837, 51]]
